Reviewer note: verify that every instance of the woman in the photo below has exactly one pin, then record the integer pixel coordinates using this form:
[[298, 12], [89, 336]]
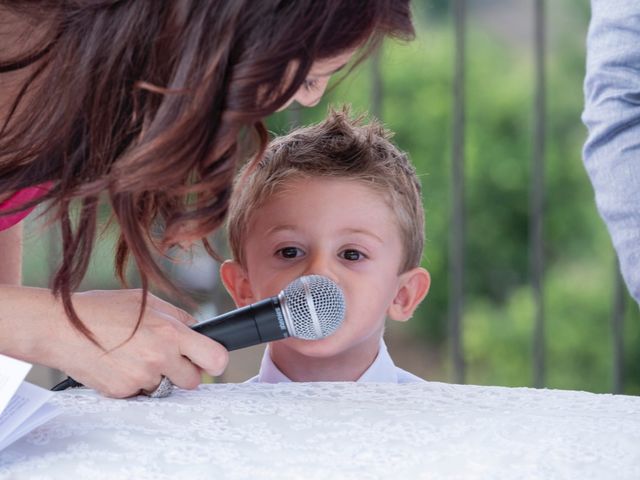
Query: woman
[[149, 106]]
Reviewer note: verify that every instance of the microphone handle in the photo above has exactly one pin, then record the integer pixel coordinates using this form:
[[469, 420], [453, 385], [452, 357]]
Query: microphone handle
[[257, 323]]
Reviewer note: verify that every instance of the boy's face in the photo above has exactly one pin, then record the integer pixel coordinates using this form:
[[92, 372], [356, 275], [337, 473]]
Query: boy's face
[[338, 228]]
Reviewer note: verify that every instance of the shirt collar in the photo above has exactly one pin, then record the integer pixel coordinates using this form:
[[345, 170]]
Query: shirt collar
[[269, 373], [381, 370]]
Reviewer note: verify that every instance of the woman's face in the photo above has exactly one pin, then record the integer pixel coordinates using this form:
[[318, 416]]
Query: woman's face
[[311, 91]]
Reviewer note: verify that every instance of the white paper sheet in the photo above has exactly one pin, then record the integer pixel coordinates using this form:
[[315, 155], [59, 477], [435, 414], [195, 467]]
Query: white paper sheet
[[23, 406], [12, 373]]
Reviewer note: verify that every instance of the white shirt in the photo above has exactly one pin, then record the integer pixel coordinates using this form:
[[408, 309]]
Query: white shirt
[[382, 370]]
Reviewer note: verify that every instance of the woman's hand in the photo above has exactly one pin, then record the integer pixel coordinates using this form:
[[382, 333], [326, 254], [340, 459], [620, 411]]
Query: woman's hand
[[163, 344]]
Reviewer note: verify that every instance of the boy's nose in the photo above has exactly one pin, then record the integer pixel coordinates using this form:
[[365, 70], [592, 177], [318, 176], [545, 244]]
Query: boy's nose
[[321, 264]]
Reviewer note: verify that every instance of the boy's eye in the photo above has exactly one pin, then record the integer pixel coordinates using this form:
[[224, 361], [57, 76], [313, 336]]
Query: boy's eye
[[289, 252], [352, 255]]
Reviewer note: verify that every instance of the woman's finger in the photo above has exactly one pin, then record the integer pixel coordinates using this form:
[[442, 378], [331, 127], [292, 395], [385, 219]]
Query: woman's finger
[[207, 354]]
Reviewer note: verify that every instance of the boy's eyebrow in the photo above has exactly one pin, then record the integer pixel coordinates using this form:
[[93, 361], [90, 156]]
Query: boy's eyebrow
[[364, 232], [359, 231], [280, 228]]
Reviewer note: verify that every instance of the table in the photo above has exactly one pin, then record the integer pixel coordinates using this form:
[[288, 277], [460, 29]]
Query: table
[[335, 431]]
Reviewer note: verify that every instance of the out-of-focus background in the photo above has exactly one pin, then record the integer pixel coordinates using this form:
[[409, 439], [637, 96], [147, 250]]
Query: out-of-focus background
[[525, 287]]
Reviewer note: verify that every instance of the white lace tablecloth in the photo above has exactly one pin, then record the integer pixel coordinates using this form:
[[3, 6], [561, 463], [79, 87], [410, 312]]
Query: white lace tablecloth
[[335, 431]]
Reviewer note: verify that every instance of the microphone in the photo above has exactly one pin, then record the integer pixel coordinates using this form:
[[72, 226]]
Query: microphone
[[311, 307]]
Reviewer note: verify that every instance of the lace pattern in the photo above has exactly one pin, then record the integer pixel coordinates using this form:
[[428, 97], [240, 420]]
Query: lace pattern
[[335, 430]]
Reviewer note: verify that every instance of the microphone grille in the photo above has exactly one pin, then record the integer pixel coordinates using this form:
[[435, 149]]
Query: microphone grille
[[315, 305]]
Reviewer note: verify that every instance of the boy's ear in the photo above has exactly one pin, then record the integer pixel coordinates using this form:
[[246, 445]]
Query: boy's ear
[[412, 288], [235, 280]]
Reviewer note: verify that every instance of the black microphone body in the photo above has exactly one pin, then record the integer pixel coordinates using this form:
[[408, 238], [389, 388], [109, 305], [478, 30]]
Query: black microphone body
[[247, 326], [311, 307]]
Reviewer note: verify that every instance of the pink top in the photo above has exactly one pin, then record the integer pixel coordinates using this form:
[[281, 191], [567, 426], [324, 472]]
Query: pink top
[[20, 198]]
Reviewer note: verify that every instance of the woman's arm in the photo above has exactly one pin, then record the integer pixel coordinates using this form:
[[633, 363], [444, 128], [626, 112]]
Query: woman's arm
[[34, 328], [11, 255]]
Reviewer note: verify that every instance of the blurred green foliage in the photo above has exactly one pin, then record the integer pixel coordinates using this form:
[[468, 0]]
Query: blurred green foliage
[[417, 105]]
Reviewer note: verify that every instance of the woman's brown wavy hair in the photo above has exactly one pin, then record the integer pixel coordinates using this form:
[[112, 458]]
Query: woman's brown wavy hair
[[155, 103]]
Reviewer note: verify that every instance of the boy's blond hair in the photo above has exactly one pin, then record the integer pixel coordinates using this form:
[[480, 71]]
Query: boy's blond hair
[[340, 147]]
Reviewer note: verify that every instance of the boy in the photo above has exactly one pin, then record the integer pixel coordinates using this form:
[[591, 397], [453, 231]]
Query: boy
[[336, 199]]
